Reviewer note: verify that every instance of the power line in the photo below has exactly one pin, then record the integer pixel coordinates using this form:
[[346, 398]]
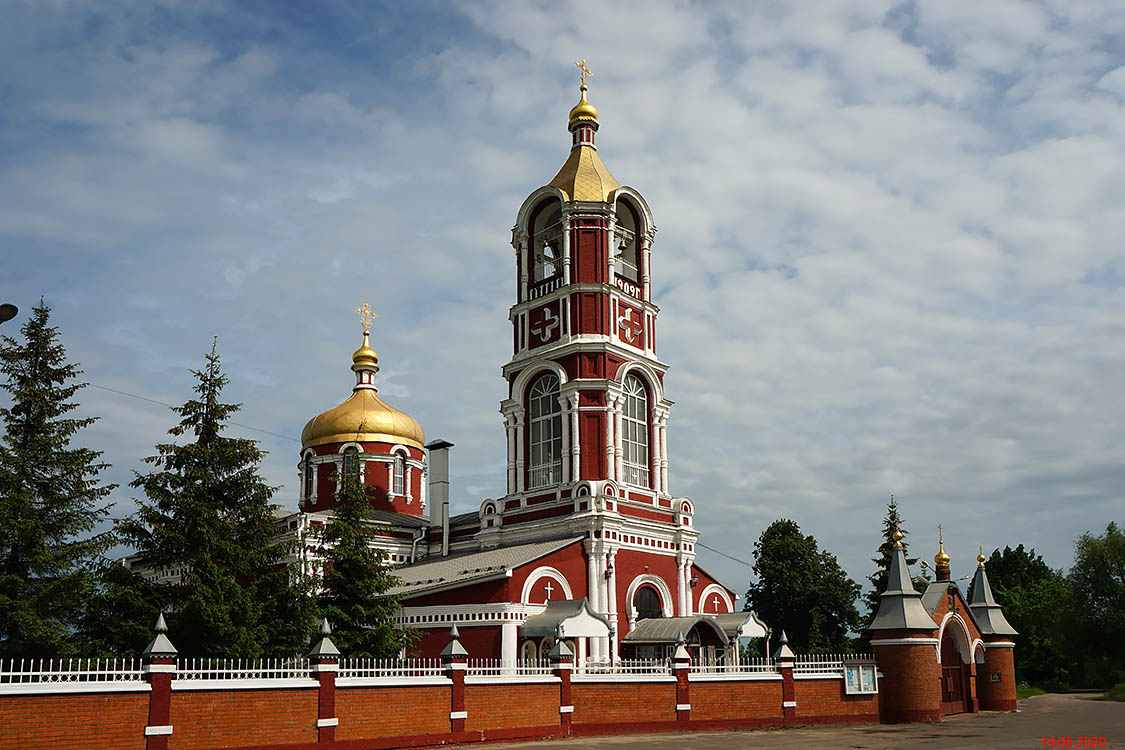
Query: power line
[[170, 406], [724, 554]]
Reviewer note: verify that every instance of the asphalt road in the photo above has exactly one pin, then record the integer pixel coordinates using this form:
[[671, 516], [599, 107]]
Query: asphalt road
[[1073, 715]]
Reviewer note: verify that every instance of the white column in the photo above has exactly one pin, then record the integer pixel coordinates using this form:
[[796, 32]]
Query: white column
[[681, 585], [657, 460], [610, 464], [508, 632], [647, 255], [391, 478], [614, 648], [564, 420], [618, 446], [522, 264], [510, 425], [519, 452], [566, 250], [664, 452], [406, 471], [593, 584], [424, 490], [575, 441], [581, 644]]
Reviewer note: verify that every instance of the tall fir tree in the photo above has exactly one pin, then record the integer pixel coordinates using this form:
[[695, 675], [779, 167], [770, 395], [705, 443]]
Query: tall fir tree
[[882, 560], [356, 580], [207, 512], [51, 500]]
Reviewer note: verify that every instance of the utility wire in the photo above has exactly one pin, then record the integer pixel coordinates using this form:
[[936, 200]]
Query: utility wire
[[724, 554], [170, 406]]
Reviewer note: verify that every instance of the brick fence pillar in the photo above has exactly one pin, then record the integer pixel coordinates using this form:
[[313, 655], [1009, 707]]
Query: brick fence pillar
[[562, 662], [910, 687], [997, 676], [681, 668], [324, 658], [785, 658], [454, 658], [159, 666]]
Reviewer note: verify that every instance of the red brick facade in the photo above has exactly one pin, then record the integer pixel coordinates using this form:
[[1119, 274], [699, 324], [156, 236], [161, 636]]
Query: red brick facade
[[68, 720], [229, 718]]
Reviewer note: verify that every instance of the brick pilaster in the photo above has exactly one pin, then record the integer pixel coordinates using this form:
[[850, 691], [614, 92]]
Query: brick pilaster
[[999, 660], [324, 658], [562, 661], [681, 668], [788, 689], [159, 666], [455, 660]]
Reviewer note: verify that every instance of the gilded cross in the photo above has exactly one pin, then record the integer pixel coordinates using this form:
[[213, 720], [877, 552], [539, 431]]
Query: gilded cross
[[585, 71], [366, 315]]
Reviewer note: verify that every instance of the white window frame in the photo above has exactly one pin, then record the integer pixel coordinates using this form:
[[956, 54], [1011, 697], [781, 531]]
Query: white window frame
[[635, 433], [544, 432], [398, 482]]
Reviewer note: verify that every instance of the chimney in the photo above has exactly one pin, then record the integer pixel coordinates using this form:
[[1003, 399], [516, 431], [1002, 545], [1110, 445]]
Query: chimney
[[439, 489]]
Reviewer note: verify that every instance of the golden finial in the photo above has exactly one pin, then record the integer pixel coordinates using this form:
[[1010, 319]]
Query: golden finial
[[366, 314], [981, 558], [585, 71], [897, 536], [941, 558]]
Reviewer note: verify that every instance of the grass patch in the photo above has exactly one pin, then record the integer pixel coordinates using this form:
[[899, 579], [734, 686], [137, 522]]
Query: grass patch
[[1116, 693], [1026, 691]]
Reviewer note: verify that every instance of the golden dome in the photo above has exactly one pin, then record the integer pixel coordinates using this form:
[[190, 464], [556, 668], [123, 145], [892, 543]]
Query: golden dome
[[364, 418], [584, 177], [942, 557], [897, 536], [981, 558], [583, 110], [365, 355]]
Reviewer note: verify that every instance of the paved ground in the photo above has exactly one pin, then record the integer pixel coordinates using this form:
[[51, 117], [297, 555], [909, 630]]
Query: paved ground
[[1038, 717]]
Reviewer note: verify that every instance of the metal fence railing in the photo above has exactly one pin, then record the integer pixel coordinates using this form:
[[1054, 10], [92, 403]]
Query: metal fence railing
[[390, 668], [33, 671], [497, 667], [294, 667], [625, 666], [746, 666]]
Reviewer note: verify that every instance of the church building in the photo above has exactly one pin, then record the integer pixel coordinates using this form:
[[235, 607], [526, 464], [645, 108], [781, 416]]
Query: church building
[[588, 544]]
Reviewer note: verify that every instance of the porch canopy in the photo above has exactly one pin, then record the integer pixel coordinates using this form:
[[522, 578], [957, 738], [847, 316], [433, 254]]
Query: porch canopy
[[566, 618], [671, 630], [742, 625]]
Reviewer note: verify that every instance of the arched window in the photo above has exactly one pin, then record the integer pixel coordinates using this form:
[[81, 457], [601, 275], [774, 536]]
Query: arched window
[[400, 474], [546, 432], [626, 244], [308, 476], [647, 603], [351, 462], [634, 429], [546, 243]]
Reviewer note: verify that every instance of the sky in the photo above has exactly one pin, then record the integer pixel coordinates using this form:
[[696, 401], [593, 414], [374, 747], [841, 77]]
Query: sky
[[888, 256]]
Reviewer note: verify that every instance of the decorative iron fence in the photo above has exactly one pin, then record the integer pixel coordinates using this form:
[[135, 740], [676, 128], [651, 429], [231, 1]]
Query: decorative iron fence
[[747, 666], [625, 666], [293, 667], [498, 667], [32, 671], [390, 668], [832, 664]]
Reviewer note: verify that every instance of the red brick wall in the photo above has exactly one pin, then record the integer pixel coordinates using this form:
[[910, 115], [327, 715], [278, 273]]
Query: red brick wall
[[910, 689], [997, 696], [63, 722], [736, 700], [626, 702], [827, 698], [390, 711], [500, 706], [226, 718]]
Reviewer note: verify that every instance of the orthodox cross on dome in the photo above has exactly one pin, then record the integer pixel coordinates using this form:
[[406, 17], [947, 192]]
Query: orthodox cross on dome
[[366, 315], [585, 71]]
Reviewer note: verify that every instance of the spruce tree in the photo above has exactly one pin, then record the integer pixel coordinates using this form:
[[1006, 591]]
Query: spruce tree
[[50, 497], [207, 512], [878, 579], [356, 580]]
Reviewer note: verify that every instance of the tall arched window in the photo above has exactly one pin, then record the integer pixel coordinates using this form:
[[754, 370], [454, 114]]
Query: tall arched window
[[400, 474], [308, 476], [546, 432], [634, 428], [647, 603], [351, 463], [546, 243], [626, 244]]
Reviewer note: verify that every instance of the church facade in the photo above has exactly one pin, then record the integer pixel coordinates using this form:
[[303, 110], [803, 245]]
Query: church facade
[[588, 544]]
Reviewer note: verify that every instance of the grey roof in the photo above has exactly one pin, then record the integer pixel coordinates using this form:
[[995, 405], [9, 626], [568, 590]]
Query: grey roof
[[783, 651], [398, 519], [465, 519], [160, 645], [990, 618], [324, 645], [900, 606], [670, 629], [734, 623], [935, 592], [454, 647], [456, 570], [552, 620]]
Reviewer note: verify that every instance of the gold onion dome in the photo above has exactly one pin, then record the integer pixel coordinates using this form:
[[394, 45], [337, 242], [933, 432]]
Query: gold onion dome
[[364, 417], [584, 177], [942, 557], [981, 558], [583, 110]]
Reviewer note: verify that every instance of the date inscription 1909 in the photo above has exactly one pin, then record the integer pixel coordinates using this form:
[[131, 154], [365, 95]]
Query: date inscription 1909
[[1074, 742]]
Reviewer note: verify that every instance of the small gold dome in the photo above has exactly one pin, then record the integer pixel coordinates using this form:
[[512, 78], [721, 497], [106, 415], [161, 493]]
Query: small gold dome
[[583, 110], [981, 558], [365, 355], [941, 558], [897, 536], [364, 418]]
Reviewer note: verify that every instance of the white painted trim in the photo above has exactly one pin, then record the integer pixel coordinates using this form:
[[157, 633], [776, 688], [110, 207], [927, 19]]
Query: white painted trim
[[455, 666], [566, 709], [818, 676], [326, 667], [789, 704], [458, 714], [544, 571], [714, 588], [661, 587], [355, 682], [978, 643], [579, 677], [967, 642], [905, 642], [734, 677], [334, 722], [510, 679], [158, 668], [285, 682], [683, 706], [161, 730], [49, 688], [1000, 644]]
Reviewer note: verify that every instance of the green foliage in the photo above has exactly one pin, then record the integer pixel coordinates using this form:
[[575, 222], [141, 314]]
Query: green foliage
[[208, 512], [120, 613], [882, 560], [1116, 693], [802, 590], [1023, 690], [1098, 581], [356, 580], [50, 497]]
